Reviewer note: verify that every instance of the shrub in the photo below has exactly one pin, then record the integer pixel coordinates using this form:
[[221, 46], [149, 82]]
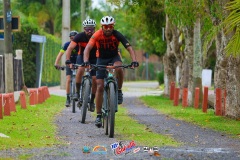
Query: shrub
[[160, 77]]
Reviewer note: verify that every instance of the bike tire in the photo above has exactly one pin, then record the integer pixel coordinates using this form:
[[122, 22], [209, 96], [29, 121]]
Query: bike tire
[[86, 90], [73, 102], [105, 113], [112, 105]]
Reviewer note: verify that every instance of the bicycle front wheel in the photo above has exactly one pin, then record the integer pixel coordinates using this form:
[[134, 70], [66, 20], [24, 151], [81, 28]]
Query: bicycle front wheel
[[86, 90], [73, 102], [105, 112], [111, 105]]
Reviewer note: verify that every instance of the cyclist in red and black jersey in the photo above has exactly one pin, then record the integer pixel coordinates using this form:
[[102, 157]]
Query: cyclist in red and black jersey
[[107, 40], [81, 40]]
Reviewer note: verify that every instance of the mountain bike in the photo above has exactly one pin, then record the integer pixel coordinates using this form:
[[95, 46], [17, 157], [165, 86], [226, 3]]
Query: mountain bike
[[72, 86], [85, 94], [110, 97]]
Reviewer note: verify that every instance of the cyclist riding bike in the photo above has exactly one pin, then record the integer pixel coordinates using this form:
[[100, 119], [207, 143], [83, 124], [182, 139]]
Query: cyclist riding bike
[[72, 58], [107, 40], [81, 40]]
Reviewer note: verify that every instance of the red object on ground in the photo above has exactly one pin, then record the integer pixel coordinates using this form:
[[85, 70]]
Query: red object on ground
[[196, 98], [185, 97], [40, 95], [6, 105], [36, 96], [1, 107], [44, 95], [176, 97], [23, 100], [46, 92], [205, 100], [172, 87], [32, 99], [12, 103], [218, 110], [224, 106]]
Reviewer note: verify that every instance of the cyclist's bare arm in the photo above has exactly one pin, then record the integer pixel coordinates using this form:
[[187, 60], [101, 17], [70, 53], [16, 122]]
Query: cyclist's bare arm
[[59, 56], [69, 50], [87, 52], [132, 53]]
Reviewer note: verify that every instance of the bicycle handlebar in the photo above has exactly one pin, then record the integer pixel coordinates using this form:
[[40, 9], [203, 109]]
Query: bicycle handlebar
[[74, 66], [96, 67]]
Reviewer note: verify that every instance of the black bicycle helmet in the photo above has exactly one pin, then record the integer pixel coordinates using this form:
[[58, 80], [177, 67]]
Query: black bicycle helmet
[[73, 33]]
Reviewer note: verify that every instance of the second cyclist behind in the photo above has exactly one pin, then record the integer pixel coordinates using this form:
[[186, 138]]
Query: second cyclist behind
[[81, 40]]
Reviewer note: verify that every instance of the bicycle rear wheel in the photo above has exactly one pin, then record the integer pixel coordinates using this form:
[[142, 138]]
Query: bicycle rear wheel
[[86, 90], [111, 105], [73, 102]]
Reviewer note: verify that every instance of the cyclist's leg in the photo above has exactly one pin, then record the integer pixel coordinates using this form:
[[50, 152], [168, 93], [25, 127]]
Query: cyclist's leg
[[94, 86], [100, 74], [99, 101], [79, 75], [119, 75], [68, 81]]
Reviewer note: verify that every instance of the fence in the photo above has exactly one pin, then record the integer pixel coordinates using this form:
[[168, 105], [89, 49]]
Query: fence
[[17, 74]]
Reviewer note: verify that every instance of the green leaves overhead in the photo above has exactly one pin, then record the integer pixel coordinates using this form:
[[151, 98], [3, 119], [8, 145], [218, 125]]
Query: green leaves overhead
[[183, 12], [149, 19], [232, 23]]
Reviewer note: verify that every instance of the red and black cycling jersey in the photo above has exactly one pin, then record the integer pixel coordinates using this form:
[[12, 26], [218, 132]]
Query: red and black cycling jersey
[[81, 40], [108, 46]]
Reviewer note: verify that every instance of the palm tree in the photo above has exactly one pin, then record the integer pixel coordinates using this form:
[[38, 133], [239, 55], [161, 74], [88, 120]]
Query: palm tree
[[232, 23]]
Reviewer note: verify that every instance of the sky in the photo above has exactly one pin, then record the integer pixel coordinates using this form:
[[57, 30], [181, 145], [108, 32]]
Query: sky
[[95, 3]]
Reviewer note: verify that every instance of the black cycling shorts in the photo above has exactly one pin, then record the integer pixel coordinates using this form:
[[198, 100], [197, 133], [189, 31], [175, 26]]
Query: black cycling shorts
[[68, 71], [91, 61], [101, 74]]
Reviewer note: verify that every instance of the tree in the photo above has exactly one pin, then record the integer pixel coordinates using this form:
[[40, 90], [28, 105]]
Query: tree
[[225, 32], [8, 50], [232, 80]]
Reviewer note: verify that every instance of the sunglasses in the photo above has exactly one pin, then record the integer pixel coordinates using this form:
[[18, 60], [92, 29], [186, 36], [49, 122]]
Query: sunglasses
[[108, 26], [89, 29]]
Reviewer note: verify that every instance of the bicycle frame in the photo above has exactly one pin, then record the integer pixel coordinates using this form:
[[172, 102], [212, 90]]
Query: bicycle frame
[[72, 85], [109, 79], [72, 88], [85, 94], [110, 97]]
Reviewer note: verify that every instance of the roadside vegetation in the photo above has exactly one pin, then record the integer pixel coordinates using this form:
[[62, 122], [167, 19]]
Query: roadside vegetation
[[32, 127]]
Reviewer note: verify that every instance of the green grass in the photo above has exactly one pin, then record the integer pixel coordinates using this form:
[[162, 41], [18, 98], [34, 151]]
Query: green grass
[[127, 128], [192, 115], [32, 127]]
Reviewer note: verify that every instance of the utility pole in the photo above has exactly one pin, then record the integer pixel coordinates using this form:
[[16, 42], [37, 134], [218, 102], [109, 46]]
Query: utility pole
[[65, 35], [8, 49], [82, 12]]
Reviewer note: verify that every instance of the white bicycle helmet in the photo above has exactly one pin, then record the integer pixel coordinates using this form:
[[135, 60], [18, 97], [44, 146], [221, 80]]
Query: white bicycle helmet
[[89, 22], [107, 20], [73, 33]]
